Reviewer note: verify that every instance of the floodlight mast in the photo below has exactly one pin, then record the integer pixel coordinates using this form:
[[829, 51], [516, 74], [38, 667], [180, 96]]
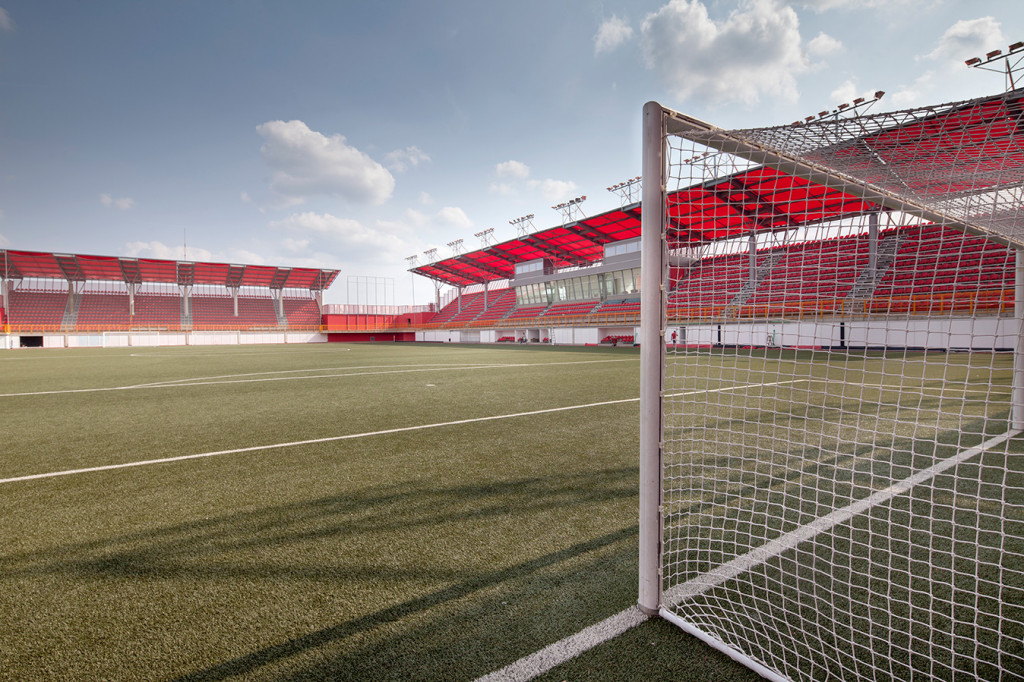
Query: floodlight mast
[[456, 247], [1012, 63], [486, 237], [628, 191], [413, 261], [571, 210], [523, 225], [847, 109]]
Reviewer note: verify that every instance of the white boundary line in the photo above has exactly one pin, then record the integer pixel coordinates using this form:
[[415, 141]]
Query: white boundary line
[[539, 662], [180, 383], [329, 439], [543, 660]]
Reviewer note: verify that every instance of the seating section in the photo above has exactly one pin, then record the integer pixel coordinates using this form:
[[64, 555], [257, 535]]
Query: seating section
[[507, 339], [629, 307], [472, 305], [811, 276], [43, 309], [571, 309], [499, 303], [302, 312], [712, 284], [99, 311], [218, 312], [157, 311], [528, 311], [939, 269]]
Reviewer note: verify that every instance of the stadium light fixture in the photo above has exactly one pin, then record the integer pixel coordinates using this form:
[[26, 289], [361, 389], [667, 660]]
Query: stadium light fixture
[[855, 108], [628, 191], [456, 247], [431, 255], [486, 237], [523, 225], [571, 210], [1010, 68]]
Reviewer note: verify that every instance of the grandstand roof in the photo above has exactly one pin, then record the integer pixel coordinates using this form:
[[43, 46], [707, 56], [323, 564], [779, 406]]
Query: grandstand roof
[[912, 143], [82, 268]]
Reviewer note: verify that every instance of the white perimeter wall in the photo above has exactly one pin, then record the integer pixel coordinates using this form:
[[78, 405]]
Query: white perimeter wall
[[125, 340], [933, 333]]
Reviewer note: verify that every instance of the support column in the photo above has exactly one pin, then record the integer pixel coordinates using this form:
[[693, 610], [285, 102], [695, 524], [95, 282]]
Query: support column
[[234, 300], [752, 243], [459, 299], [131, 299], [873, 244], [652, 355], [1017, 396]]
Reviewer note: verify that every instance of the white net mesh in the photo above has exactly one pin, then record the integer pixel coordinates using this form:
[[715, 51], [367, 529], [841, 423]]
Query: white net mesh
[[843, 495]]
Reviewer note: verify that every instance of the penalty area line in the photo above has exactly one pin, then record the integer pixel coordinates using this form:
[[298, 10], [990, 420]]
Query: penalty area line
[[352, 436]]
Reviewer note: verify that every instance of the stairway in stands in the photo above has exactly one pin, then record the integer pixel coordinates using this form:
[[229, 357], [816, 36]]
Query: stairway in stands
[[764, 266], [70, 318], [868, 280]]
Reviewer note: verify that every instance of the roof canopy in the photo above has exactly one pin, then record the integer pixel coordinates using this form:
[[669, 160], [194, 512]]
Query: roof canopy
[[81, 268], [978, 138]]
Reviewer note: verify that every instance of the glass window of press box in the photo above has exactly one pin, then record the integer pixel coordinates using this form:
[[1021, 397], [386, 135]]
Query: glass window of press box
[[582, 288], [619, 248]]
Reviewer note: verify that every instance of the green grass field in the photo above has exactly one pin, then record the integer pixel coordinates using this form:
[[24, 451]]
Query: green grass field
[[443, 553], [439, 553]]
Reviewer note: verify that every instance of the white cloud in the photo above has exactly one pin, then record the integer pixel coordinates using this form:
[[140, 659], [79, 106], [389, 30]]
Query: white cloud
[[453, 216], [612, 33], [294, 245], [156, 249], [123, 204], [848, 90], [754, 51], [825, 5], [502, 188], [554, 190], [308, 163], [355, 239], [415, 218], [244, 196], [426, 199], [916, 93], [4, 241], [515, 170], [968, 38], [402, 160], [6, 23], [823, 45]]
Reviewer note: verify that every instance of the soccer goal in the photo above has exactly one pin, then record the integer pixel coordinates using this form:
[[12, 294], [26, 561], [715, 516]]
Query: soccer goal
[[832, 477]]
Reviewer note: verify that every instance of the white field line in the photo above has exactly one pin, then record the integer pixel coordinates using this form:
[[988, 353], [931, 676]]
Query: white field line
[[305, 378], [539, 662], [351, 436], [312, 369]]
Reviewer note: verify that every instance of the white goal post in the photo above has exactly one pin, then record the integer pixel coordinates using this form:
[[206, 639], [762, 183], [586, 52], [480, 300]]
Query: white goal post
[[831, 478]]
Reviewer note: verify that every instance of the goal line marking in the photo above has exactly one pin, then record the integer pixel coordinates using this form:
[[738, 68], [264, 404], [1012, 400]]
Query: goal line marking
[[539, 662], [351, 436], [553, 655]]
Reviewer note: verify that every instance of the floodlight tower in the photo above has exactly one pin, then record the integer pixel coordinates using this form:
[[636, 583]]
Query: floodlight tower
[[456, 247], [628, 191], [486, 237], [523, 225], [431, 256], [571, 210], [413, 261], [1011, 67], [846, 109]]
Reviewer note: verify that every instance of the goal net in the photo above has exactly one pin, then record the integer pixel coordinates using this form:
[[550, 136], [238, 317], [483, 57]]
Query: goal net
[[832, 478]]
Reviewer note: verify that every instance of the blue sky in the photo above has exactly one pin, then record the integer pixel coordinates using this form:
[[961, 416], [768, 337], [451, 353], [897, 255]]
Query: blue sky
[[354, 134]]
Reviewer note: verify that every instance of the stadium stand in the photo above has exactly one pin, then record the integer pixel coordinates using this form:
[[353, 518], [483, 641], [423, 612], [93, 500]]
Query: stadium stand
[[571, 309], [44, 309], [524, 312], [712, 284], [157, 311], [814, 276], [500, 303], [472, 305], [103, 310], [301, 312]]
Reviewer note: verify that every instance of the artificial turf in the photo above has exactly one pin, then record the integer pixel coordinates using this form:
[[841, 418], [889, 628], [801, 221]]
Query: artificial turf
[[441, 553], [427, 554]]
